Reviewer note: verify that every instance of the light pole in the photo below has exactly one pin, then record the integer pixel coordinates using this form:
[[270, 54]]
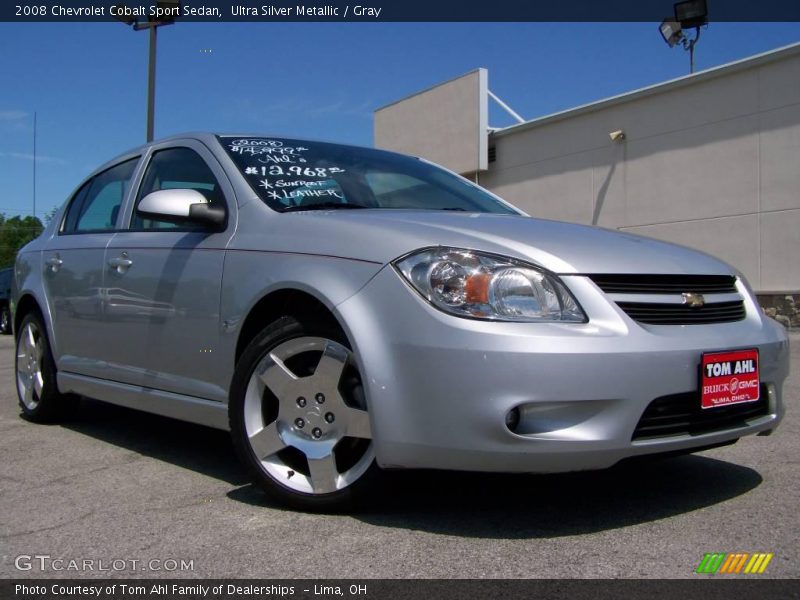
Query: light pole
[[170, 9], [690, 14]]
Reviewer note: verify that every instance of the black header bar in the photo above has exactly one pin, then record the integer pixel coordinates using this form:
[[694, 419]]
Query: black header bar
[[393, 10]]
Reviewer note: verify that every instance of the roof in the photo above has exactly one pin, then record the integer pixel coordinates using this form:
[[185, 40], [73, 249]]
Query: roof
[[686, 80], [210, 140]]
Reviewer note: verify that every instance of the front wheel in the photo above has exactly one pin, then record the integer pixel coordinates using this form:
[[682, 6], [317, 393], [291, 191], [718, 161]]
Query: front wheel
[[298, 416]]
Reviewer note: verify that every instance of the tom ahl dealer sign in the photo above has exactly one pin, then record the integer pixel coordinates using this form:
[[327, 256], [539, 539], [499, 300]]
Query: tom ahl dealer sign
[[729, 378]]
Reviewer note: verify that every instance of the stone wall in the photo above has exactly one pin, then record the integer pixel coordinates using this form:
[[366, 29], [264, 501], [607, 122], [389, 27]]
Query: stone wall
[[784, 308]]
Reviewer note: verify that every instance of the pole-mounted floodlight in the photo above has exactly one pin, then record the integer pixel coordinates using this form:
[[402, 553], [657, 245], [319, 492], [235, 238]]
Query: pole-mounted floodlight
[[671, 31], [689, 14], [166, 11], [120, 14]]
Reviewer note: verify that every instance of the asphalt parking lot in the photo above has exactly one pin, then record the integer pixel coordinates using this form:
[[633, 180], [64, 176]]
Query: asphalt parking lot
[[117, 484]]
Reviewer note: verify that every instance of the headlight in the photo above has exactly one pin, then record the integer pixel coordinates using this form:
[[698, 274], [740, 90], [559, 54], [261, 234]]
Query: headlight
[[485, 286]]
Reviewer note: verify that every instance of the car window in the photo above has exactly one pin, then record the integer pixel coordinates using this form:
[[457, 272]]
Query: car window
[[74, 210], [292, 175], [177, 168], [397, 190], [95, 206]]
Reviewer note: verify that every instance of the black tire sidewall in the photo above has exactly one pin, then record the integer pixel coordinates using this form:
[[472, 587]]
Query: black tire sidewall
[[282, 330]]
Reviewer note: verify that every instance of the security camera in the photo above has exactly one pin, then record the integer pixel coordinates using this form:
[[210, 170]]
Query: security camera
[[617, 136]]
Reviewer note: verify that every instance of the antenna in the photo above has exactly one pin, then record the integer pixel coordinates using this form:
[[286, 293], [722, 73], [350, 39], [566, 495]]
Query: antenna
[[34, 165]]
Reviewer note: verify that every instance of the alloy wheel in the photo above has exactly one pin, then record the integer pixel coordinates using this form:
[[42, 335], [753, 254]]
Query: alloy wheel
[[30, 351], [305, 416]]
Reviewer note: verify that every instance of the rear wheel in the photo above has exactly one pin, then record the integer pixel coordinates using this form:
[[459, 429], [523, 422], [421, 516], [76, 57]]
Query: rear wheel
[[5, 320], [298, 416], [37, 391]]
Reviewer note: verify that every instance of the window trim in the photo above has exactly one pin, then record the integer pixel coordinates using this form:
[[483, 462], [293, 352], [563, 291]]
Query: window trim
[[135, 198], [77, 197], [88, 181]]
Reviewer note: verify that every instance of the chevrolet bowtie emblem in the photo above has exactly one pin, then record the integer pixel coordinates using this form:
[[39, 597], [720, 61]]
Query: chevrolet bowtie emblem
[[693, 300]]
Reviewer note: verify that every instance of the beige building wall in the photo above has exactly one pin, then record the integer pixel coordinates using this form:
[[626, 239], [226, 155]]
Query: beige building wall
[[711, 161], [447, 123]]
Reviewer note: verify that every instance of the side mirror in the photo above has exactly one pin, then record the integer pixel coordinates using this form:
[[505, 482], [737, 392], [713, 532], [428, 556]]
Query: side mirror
[[181, 205]]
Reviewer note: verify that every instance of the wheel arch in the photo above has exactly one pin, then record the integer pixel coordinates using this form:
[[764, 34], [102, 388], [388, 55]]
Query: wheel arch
[[283, 302], [27, 303]]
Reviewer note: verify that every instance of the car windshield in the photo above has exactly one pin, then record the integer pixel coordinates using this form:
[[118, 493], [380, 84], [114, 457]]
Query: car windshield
[[295, 175]]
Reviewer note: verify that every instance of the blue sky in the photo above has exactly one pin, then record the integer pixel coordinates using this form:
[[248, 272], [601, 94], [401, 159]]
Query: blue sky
[[87, 81]]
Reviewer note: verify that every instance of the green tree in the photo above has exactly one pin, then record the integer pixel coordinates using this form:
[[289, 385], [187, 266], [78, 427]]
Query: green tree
[[48, 216], [15, 232]]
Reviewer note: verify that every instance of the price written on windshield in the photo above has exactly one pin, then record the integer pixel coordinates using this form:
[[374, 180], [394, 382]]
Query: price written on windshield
[[294, 171]]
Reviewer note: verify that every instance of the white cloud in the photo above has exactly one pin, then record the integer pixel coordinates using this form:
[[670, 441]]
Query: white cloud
[[12, 115], [303, 107], [40, 158]]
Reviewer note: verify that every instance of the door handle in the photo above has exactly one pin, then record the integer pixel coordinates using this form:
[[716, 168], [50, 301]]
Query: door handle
[[54, 263], [120, 264]]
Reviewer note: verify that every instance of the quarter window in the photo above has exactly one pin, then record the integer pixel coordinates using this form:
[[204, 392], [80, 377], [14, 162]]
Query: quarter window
[[177, 168], [96, 204]]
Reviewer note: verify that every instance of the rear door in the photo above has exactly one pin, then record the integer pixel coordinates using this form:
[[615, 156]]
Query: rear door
[[74, 270], [163, 296]]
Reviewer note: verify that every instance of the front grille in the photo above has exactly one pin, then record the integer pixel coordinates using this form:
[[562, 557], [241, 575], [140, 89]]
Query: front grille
[[657, 312], [665, 284], [682, 314], [680, 414]]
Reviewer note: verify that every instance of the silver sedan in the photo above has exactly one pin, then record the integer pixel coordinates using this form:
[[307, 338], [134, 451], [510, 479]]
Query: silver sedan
[[342, 310]]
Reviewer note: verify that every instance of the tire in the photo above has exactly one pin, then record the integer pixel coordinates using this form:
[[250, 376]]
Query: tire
[[298, 417], [35, 374], [5, 320]]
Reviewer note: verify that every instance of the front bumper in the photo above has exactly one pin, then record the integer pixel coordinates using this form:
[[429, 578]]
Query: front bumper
[[439, 387]]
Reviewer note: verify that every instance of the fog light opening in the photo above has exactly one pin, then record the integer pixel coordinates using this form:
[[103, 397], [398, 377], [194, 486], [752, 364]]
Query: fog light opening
[[512, 419]]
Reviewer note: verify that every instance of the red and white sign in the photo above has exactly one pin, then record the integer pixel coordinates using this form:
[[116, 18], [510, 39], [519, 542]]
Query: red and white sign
[[729, 378]]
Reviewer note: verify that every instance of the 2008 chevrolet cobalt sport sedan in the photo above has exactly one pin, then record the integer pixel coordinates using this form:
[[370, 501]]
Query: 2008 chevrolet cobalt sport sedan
[[343, 309]]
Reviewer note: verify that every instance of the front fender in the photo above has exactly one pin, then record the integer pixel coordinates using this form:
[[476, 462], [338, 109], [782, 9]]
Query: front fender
[[249, 276]]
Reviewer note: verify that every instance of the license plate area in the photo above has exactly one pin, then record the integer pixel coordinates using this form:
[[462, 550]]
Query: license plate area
[[729, 378]]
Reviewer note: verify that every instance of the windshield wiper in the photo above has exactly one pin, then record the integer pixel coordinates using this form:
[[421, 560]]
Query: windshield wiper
[[321, 206]]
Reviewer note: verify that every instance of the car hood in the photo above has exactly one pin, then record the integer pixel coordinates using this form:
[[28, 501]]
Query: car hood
[[383, 235]]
